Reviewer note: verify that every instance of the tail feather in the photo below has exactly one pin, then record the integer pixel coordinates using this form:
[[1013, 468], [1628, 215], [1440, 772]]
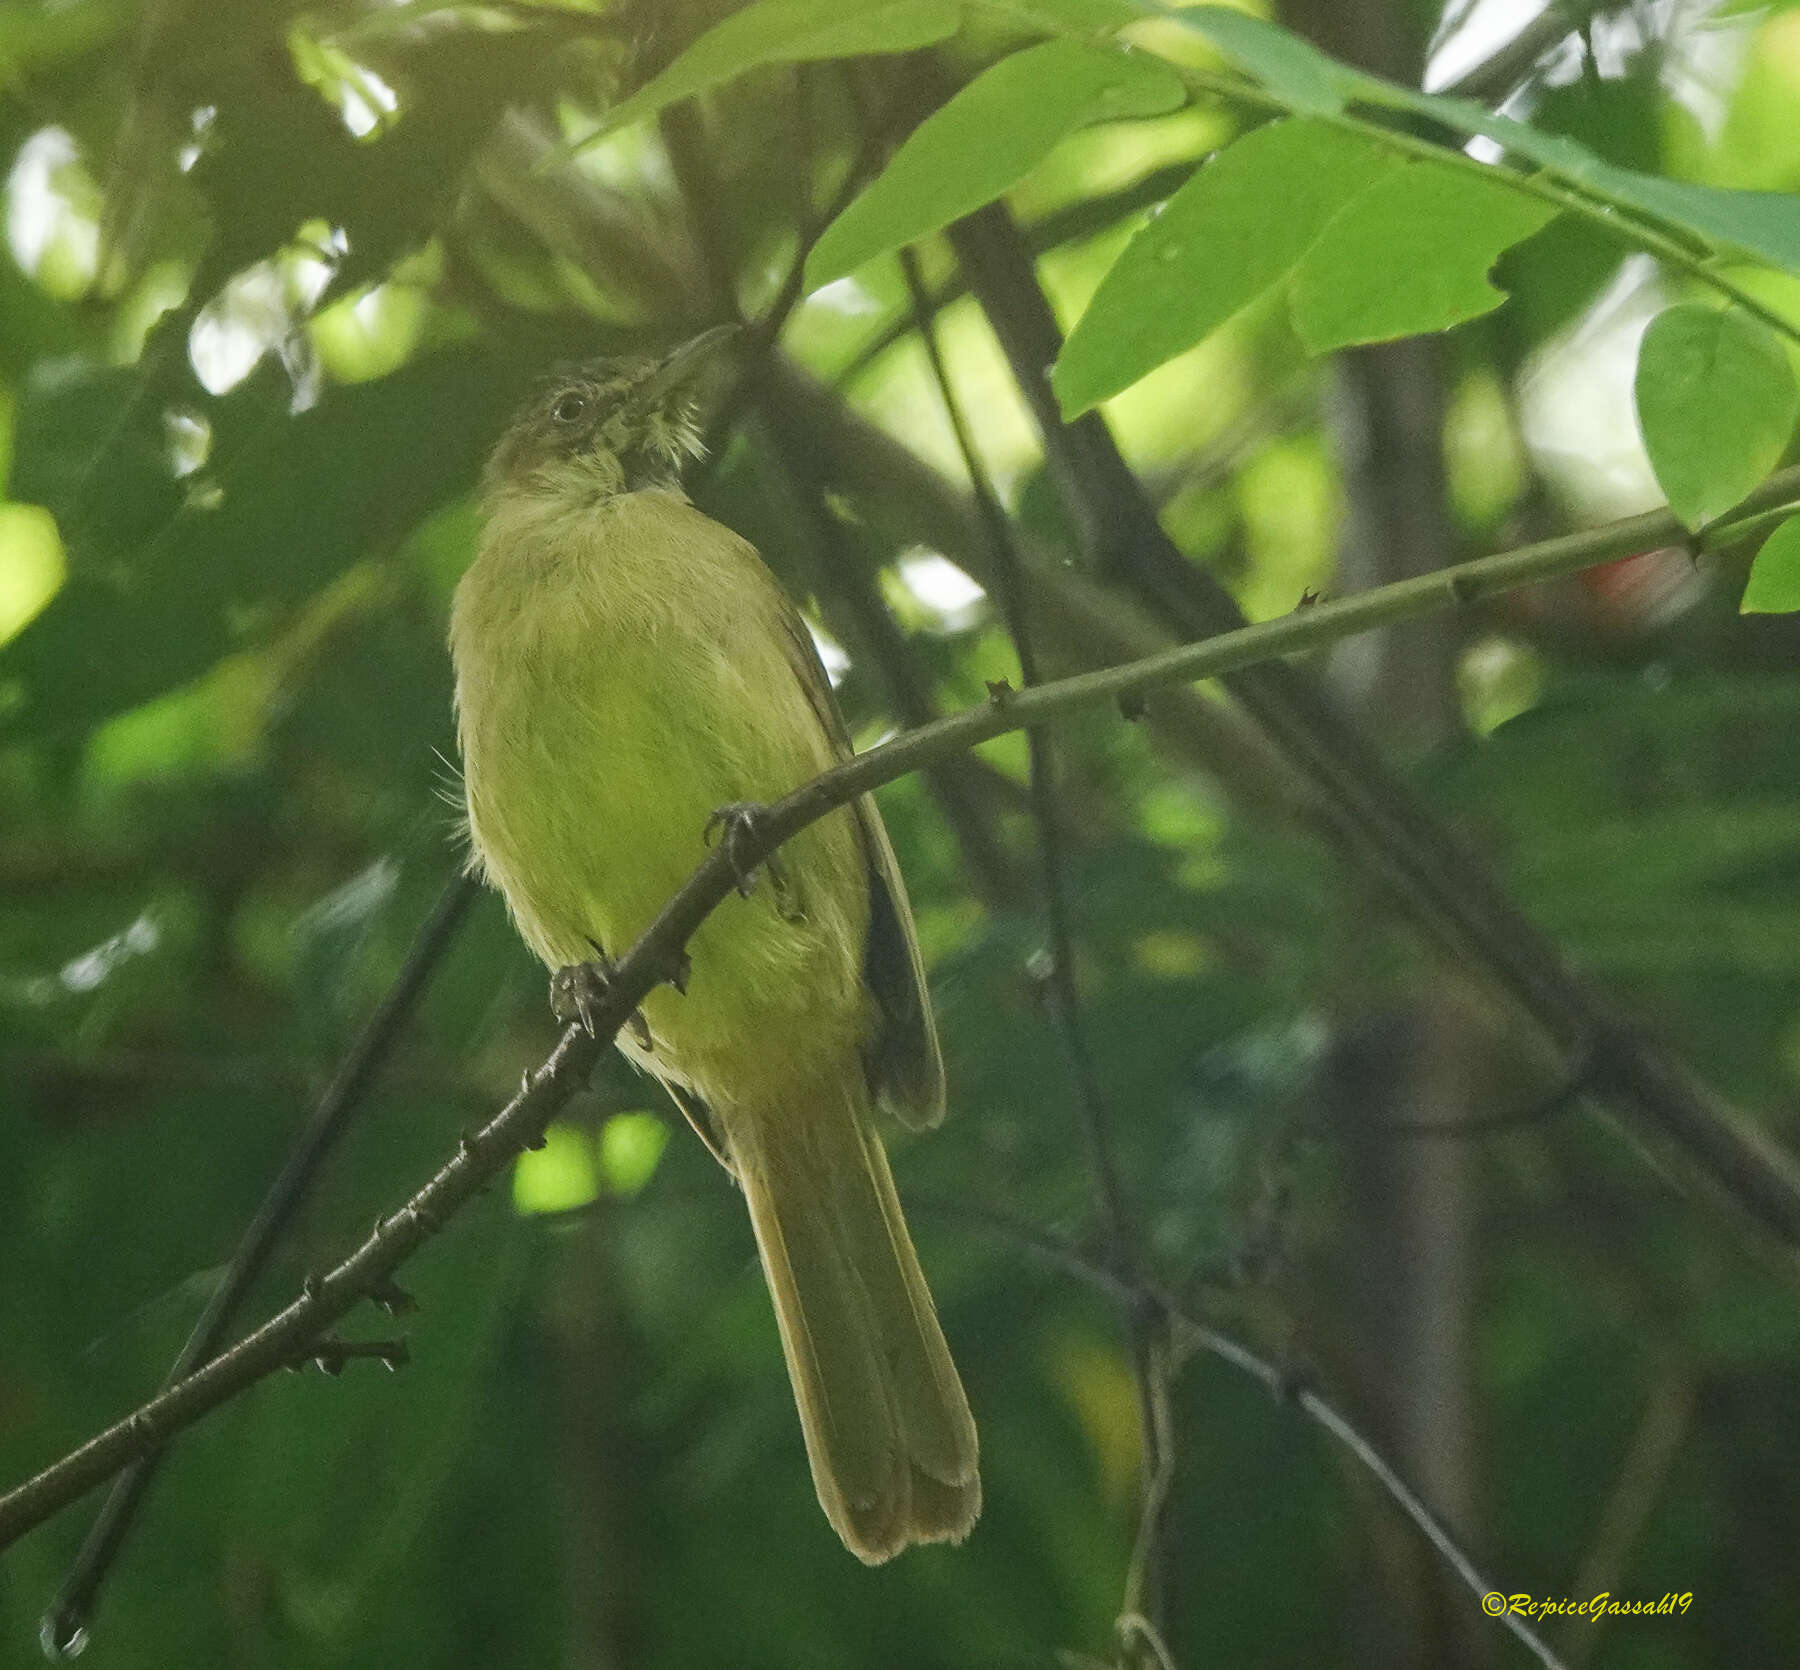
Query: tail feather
[[887, 1426]]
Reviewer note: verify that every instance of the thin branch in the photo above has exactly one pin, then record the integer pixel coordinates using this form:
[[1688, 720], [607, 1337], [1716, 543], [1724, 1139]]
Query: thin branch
[[1057, 977], [1359, 799], [64, 1626], [1190, 1331], [1495, 77], [1435, 1531], [1656, 1445], [1058, 981], [1538, 1112], [657, 956]]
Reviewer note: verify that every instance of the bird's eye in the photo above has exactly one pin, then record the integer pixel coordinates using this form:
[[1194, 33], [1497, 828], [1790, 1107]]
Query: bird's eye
[[569, 408]]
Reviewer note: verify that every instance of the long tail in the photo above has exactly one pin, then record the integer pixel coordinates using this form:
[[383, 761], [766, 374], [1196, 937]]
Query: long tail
[[888, 1429]]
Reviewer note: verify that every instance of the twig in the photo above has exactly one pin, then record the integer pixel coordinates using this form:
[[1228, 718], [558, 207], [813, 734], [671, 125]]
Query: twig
[[1538, 1112], [1495, 77], [1435, 1531], [1188, 1330], [1058, 982], [64, 1627], [329, 1355], [657, 956], [1656, 1444]]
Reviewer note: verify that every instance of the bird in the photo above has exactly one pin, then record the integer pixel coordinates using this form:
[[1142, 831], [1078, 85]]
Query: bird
[[630, 678]]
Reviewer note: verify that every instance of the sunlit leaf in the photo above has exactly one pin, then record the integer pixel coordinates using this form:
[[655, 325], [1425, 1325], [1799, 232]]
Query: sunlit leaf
[[1761, 223], [1716, 402], [631, 1144], [1238, 228], [789, 32], [1091, 18], [560, 1176], [1294, 70], [1774, 584], [987, 138], [31, 564], [1410, 254]]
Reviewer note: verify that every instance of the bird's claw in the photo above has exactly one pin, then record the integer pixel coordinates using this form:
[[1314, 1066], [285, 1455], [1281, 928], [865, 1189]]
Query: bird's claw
[[737, 821], [578, 989]]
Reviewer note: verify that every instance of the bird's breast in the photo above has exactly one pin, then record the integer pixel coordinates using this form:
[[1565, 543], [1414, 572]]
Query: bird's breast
[[621, 675]]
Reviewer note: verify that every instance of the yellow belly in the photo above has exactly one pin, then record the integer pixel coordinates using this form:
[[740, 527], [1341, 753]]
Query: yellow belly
[[621, 674]]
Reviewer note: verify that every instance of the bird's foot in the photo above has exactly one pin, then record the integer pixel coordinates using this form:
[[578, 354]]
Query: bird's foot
[[738, 823], [577, 991]]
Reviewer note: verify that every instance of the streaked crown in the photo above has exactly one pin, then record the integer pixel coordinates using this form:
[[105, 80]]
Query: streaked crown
[[607, 426]]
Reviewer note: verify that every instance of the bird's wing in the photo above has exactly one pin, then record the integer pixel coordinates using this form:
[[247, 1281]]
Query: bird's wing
[[905, 1065]]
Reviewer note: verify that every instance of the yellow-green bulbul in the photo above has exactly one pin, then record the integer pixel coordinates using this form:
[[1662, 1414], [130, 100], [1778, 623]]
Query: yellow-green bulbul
[[626, 668]]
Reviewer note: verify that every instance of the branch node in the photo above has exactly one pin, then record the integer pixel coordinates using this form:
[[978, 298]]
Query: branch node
[[1460, 586], [388, 1296], [739, 825], [1135, 1631], [63, 1633], [1308, 599], [1000, 691], [577, 990], [329, 1354], [675, 969], [1133, 705], [1291, 1383]]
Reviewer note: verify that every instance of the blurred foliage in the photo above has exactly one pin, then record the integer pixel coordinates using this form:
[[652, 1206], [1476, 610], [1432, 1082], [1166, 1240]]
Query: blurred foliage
[[272, 277]]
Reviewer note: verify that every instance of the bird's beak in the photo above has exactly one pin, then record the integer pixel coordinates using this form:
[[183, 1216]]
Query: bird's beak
[[686, 362]]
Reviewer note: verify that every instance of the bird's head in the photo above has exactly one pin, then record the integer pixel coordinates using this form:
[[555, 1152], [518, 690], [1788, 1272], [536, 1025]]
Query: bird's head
[[608, 426]]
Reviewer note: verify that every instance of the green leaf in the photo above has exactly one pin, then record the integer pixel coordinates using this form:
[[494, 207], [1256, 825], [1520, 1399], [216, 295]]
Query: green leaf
[[789, 32], [988, 138], [163, 573], [1765, 224], [559, 1176], [1774, 584], [1306, 79], [1068, 17], [1233, 232], [1716, 401], [1309, 81], [1411, 254], [631, 1145]]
